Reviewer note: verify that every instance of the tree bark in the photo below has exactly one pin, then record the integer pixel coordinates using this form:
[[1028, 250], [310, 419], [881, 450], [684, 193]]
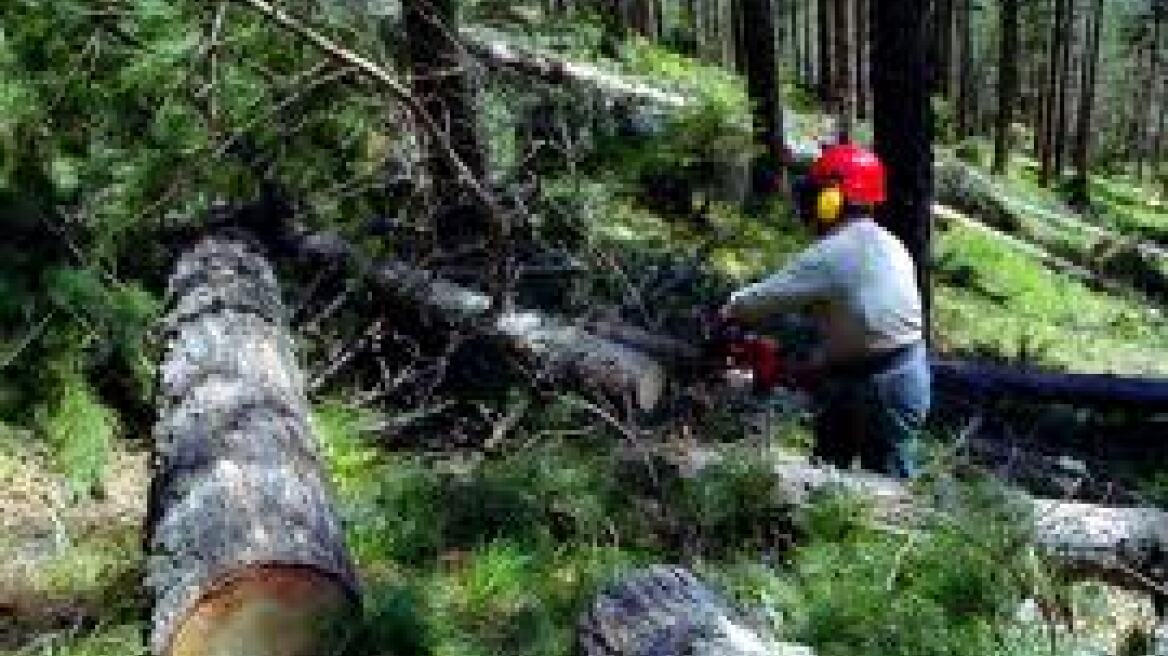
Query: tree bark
[[245, 550], [844, 94], [674, 613], [826, 65], [1080, 193], [762, 77], [432, 26], [965, 89], [795, 38], [556, 349], [1065, 38], [1007, 85], [1124, 546], [809, 67], [861, 43], [1053, 88], [902, 126], [495, 51]]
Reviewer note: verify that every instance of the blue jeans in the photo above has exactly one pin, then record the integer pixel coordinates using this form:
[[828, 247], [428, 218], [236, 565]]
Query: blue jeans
[[877, 413]]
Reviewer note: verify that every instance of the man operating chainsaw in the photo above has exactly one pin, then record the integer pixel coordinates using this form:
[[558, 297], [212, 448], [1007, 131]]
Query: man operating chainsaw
[[869, 375]]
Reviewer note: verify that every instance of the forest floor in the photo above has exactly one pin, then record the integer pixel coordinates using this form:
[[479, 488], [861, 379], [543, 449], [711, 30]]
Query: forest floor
[[469, 555]]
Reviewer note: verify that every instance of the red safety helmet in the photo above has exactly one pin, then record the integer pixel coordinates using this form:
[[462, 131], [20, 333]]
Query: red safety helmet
[[857, 172]]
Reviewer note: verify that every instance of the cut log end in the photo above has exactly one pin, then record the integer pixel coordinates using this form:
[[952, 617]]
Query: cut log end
[[272, 611]]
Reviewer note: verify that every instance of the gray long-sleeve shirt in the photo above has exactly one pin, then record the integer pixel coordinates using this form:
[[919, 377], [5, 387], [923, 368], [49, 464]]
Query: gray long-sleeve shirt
[[860, 284]]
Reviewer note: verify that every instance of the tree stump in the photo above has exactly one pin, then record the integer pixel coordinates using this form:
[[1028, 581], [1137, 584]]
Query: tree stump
[[245, 552]]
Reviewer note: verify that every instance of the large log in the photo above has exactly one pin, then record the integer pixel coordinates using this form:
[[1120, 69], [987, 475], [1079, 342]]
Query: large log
[[245, 553], [554, 347], [496, 51], [664, 610], [1087, 390], [1125, 546]]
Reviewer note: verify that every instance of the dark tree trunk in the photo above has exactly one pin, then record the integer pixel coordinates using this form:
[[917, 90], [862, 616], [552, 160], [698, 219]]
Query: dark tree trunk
[[809, 23], [825, 51], [1080, 194], [1147, 140], [902, 125], [245, 551], [795, 39], [645, 18], [1062, 111], [844, 96], [449, 99], [1053, 107], [965, 89], [762, 86], [861, 43], [943, 38], [1007, 84]]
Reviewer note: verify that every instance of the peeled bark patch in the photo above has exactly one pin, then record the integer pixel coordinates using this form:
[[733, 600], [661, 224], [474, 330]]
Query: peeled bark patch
[[246, 554]]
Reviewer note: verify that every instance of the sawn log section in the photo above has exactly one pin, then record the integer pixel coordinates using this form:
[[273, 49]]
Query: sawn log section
[[245, 553], [1127, 547]]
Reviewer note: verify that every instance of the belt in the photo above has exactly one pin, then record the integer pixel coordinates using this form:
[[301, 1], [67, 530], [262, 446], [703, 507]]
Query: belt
[[874, 363]]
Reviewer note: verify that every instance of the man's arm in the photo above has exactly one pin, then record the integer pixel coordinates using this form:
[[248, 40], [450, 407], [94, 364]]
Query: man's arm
[[811, 277]]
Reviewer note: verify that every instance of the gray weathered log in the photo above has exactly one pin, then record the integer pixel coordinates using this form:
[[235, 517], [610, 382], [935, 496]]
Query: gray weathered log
[[553, 346], [494, 50], [244, 548], [1125, 546], [667, 611]]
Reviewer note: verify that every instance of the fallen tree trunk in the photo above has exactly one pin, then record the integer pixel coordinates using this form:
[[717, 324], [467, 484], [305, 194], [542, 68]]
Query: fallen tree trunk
[[1085, 390], [665, 610], [1125, 546], [497, 52], [556, 348], [245, 553]]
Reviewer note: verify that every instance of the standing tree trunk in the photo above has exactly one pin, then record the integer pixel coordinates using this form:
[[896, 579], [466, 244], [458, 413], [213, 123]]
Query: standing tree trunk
[[1053, 88], [965, 69], [861, 42], [1147, 140], [809, 54], [1066, 37], [448, 98], [902, 126], [844, 95], [825, 52], [1007, 85], [762, 85], [645, 18], [794, 38], [246, 555], [1080, 194], [943, 45]]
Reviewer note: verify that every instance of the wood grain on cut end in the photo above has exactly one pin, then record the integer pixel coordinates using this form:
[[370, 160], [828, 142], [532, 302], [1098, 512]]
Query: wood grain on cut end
[[271, 611]]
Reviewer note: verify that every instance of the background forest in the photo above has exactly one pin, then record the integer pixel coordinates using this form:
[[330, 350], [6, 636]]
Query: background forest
[[606, 163]]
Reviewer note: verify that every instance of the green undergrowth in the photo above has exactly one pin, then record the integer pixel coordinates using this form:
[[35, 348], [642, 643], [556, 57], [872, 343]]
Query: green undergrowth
[[501, 555], [1000, 304]]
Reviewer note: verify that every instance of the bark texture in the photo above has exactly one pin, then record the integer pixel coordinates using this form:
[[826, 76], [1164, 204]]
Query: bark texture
[[1007, 84], [240, 527], [902, 126], [664, 610], [555, 348], [762, 82], [1124, 546]]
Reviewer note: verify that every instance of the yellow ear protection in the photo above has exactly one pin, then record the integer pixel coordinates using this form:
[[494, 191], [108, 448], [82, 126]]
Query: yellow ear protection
[[829, 206]]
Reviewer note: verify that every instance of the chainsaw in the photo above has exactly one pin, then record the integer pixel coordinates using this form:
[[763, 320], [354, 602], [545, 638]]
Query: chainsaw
[[740, 355]]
